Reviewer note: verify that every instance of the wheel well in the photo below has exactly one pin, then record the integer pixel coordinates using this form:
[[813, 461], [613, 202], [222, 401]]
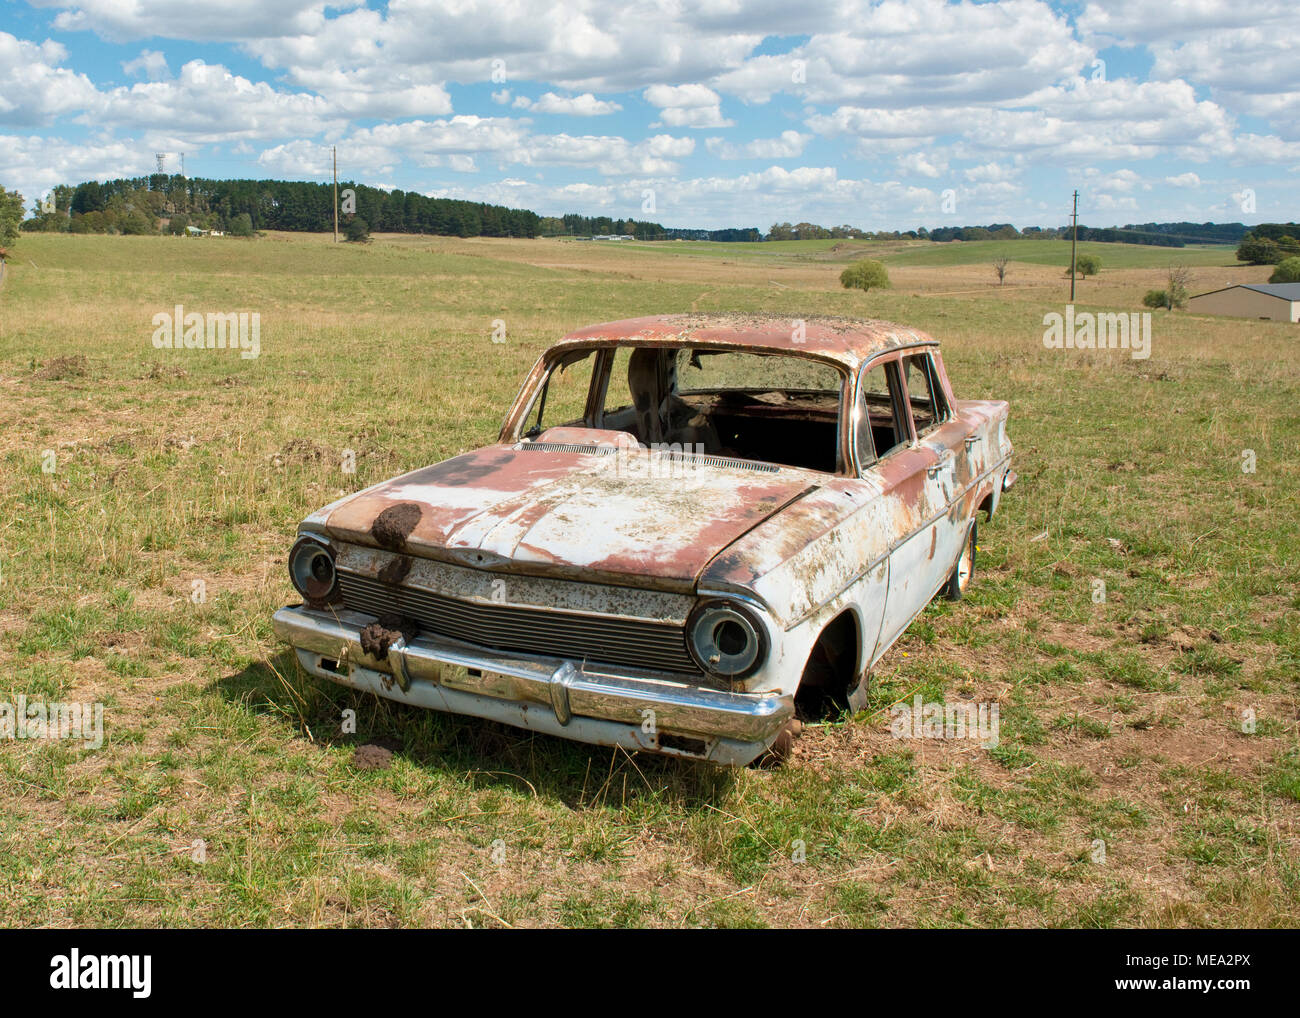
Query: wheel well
[[832, 666]]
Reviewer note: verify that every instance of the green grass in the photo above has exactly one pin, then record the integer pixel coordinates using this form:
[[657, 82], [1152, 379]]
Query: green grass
[[1057, 252], [930, 253], [225, 792]]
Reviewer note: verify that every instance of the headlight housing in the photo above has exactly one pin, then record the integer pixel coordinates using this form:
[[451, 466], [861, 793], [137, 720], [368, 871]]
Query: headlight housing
[[726, 639], [311, 568]]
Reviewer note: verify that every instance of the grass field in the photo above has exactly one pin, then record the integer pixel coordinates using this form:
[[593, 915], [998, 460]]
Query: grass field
[[927, 253], [142, 573]]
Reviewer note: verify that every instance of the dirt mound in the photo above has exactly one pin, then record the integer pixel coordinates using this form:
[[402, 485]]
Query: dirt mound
[[301, 451], [158, 372], [376, 755], [61, 368]]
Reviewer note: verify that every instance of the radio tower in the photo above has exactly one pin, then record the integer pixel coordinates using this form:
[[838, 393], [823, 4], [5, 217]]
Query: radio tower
[[161, 159]]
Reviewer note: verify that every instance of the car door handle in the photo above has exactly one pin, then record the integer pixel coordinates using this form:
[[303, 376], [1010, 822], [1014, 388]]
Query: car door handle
[[970, 440], [944, 461]]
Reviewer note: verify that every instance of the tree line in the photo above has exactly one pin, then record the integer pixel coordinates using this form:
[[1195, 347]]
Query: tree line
[[174, 203], [141, 204], [1270, 244]]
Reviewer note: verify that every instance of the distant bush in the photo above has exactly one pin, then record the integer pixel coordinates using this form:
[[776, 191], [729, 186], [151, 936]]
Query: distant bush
[[864, 275], [137, 224], [1087, 265], [357, 230], [241, 225], [1287, 271], [1174, 295]]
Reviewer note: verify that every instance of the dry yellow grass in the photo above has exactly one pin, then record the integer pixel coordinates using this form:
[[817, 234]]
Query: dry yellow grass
[[1121, 722]]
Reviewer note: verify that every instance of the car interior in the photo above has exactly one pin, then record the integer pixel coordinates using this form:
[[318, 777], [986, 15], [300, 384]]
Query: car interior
[[765, 407], [774, 408]]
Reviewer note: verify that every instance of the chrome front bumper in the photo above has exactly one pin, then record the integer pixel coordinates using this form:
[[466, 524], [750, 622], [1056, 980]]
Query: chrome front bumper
[[550, 695]]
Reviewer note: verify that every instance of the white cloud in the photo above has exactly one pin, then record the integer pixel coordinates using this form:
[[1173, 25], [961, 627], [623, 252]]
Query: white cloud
[[380, 92], [206, 103], [120, 20], [918, 164], [427, 143], [34, 87], [150, 63], [687, 105], [991, 172], [33, 165], [608, 155], [1118, 120], [585, 45], [585, 105], [900, 54], [789, 145]]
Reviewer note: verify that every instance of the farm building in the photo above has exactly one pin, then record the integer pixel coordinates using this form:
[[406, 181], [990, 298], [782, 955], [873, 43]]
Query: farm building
[[1278, 301]]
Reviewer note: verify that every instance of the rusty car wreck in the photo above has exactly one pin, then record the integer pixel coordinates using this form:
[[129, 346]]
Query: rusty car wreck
[[692, 530]]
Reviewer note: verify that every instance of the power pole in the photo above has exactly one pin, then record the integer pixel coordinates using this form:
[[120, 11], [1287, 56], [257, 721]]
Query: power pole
[[335, 151], [1074, 240]]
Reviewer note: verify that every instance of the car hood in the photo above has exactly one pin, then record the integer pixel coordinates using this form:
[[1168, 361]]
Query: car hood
[[571, 513]]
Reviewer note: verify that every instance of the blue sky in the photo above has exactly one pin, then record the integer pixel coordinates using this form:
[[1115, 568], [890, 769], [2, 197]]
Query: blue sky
[[882, 115]]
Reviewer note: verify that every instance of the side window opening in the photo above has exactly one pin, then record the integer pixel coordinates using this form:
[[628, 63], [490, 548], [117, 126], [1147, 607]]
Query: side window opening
[[879, 422], [618, 411], [925, 395], [563, 396]]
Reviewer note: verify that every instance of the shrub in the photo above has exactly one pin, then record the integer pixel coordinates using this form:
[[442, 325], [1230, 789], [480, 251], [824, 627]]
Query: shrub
[[357, 230], [864, 275], [1258, 251], [1287, 271], [1087, 265]]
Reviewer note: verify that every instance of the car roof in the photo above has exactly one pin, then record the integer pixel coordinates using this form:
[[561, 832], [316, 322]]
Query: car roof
[[850, 341]]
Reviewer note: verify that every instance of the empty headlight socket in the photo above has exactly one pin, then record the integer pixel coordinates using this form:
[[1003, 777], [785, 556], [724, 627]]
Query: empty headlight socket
[[312, 571], [726, 640]]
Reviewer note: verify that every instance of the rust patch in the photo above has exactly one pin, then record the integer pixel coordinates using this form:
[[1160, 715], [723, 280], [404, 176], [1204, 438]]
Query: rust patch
[[396, 570], [394, 525], [377, 637]]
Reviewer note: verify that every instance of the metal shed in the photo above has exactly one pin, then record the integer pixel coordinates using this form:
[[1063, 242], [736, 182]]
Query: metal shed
[[1277, 301]]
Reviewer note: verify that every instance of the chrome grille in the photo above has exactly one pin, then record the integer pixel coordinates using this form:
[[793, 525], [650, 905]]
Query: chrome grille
[[600, 639]]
